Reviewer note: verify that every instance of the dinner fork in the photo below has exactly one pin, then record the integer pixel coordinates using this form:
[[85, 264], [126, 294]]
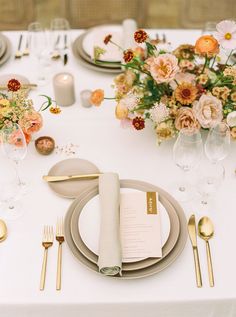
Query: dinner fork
[[47, 243], [18, 53], [60, 238]]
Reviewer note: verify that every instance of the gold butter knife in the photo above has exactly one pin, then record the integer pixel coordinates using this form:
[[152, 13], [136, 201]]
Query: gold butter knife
[[49, 178], [193, 237]]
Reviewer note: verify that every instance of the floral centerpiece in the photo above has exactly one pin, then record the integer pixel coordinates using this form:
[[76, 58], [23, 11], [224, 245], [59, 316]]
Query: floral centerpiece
[[15, 107], [189, 87]]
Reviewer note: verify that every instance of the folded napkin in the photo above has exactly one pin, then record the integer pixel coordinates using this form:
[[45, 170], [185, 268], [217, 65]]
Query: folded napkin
[[110, 255], [129, 27]]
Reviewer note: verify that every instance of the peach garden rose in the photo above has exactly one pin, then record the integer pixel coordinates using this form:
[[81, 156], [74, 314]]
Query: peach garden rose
[[186, 119]]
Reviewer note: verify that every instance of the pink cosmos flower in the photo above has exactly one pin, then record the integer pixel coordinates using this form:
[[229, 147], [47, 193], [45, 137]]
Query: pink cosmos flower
[[226, 34]]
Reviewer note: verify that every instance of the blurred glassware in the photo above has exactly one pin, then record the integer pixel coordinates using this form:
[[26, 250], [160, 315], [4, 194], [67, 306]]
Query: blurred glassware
[[15, 148], [187, 153], [209, 179], [209, 28], [217, 144], [59, 37], [38, 48]]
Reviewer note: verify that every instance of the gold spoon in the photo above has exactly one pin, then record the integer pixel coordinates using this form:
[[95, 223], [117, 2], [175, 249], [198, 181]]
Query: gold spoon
[[206, 232], [3, 230]]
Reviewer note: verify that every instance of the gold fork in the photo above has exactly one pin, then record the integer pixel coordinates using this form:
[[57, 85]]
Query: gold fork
[[47, 243], [60, 238]]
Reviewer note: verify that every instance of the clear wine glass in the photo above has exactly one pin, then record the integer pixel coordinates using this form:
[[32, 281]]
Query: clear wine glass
[[209, 28], [38, 48], [187, 153], [15, 148], [59, 37], [218, 143], [209, 179]]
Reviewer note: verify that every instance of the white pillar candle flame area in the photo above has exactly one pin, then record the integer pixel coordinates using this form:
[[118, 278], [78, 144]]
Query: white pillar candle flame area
[[63, 84]]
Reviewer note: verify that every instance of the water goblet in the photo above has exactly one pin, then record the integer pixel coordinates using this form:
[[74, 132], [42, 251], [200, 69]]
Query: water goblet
[[187, 153]]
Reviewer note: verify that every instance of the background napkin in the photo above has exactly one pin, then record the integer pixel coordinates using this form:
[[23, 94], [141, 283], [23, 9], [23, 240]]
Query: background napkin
[[129, 27], [110, 256]]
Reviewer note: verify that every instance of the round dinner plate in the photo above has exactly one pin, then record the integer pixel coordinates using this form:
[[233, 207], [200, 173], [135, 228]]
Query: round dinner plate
[[3, 45], [72, 166], [6, 77], [87, 58], [172, 236], [95, 37], [89, 220], [150, 270], [93, 66]]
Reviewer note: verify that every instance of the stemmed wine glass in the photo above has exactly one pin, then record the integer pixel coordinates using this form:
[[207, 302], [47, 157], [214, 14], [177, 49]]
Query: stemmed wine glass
[[218, 143], [38, 46], [187, 153], [59, 37], [15, 148]]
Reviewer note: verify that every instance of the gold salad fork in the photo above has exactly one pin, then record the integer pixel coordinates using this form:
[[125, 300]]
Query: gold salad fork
[[60, 238], [47, 243]]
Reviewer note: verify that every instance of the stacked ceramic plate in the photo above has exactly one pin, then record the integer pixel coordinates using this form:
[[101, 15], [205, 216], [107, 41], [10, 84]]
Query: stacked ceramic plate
[[5, 49], [82, 230], [83, 48]]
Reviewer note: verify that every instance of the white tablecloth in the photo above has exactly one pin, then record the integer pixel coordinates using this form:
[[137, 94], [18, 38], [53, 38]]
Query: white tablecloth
[[132, 154]]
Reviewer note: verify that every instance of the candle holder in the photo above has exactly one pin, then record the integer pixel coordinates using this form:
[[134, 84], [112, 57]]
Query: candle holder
[[63, 84], [45, 145]]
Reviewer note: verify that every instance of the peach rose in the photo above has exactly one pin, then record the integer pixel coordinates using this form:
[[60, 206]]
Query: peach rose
[[208, 111], [207, 45], [186, 119], [31, 122], [163, 68], [97, 97]]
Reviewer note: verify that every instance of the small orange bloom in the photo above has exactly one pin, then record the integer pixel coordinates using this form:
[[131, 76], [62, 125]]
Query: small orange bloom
[[128, 56], [207, 45], [140, 36], [55, 109], [97, 97]]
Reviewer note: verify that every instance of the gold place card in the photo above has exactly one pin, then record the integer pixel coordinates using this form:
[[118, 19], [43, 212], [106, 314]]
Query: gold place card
[[140, 225]]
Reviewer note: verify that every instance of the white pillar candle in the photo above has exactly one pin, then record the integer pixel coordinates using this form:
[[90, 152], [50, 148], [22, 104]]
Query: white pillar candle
[[63, 84]]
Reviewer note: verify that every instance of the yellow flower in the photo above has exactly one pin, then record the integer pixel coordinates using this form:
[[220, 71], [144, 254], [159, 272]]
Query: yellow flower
[[202, 79], [165, 130], [186, 93], [4, 102], [233, 96], [55, 109]]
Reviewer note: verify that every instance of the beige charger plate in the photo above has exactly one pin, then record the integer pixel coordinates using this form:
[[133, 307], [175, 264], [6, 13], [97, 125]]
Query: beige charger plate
[[72, 166], [150, 270], [135, 265], [7, 54], [3, 46]]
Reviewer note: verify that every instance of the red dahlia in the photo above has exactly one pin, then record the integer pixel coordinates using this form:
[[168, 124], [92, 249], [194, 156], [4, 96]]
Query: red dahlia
[[13, 85], [107, 39], [138, 123], [128, 56], [140, 36]]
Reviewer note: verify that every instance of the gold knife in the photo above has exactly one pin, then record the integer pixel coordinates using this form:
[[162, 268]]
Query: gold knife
[[193, 237], [49, 178]]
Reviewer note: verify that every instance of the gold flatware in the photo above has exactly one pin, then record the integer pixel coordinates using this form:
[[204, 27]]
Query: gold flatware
[[49, 178], [3, 230], [47, 243], [206, 232], [56, 54], [60, 238], [26, 51], [24, 86], [193, 237], [18, 53]]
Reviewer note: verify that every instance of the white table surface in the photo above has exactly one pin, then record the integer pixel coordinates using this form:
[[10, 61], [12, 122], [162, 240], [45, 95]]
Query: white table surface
[[133, 155]]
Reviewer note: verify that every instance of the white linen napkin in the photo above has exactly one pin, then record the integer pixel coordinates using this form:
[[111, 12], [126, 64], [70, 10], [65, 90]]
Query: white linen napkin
[[129, 27], [110, 255]]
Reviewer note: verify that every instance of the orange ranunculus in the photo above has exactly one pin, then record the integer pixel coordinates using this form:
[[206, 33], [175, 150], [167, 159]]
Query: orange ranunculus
[[207, 45], [97, 97]]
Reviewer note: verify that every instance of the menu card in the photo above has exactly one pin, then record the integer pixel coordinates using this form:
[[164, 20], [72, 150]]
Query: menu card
[[140, 225]]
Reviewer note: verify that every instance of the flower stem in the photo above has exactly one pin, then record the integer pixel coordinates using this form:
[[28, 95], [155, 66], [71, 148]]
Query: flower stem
[[226, 63]]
